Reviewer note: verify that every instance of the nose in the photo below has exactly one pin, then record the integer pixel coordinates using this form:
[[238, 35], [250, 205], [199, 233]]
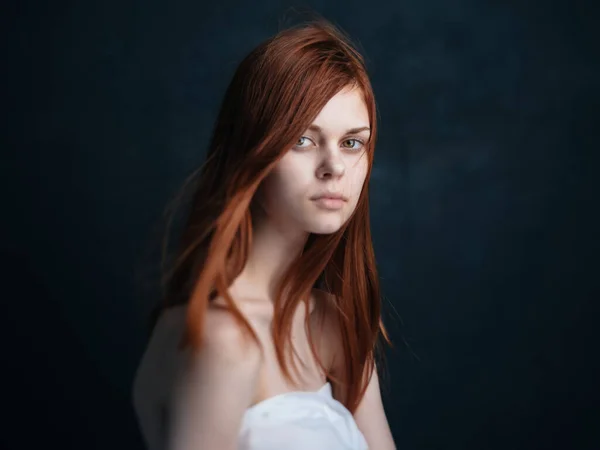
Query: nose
[[331, 168]]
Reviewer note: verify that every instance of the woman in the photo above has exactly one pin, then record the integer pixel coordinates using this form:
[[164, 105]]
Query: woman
[[275, 266]]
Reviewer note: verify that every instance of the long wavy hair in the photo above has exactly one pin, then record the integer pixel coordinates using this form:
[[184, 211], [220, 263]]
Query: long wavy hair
[[276, 92]]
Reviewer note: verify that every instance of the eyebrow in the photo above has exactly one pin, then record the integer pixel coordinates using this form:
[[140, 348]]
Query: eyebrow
[[318, 129]]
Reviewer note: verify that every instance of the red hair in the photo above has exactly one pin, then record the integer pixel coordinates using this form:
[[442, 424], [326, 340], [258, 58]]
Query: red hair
[[275, 94]]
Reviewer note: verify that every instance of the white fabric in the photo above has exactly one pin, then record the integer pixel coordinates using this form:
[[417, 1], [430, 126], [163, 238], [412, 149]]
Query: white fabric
[[300, 421]]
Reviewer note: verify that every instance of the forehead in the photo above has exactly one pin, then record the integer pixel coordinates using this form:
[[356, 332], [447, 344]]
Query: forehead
[[346, 109]]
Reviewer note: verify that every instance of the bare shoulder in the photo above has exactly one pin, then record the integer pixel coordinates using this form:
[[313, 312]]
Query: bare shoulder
[[227, 363], [226, 342], [216, 387], [202, 395], [163, 363]]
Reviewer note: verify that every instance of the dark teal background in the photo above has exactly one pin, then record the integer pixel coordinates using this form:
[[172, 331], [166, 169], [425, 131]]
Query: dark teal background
[[484, 206]]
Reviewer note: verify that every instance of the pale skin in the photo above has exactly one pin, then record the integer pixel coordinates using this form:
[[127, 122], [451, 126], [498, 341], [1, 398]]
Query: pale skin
[[214, 389]]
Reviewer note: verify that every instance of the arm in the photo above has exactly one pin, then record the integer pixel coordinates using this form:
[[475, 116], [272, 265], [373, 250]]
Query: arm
[[369, 416], [371, 420], [154, 377], [215, 388]]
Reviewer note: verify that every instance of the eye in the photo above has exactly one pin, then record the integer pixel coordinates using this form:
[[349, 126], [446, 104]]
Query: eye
[[358, 141], [302, 138]]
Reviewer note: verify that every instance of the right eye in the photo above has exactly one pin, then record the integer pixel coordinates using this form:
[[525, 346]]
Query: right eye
[[300, 140]]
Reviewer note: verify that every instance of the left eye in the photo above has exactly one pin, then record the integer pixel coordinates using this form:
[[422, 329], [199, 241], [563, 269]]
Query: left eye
[[358, 141]]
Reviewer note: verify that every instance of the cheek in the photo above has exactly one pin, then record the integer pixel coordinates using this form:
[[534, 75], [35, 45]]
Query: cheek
[[292, 175], [357, 179], [285, 184]]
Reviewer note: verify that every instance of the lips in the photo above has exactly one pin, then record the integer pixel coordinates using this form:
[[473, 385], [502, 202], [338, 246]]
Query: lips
[[332, 196], [329, 203]]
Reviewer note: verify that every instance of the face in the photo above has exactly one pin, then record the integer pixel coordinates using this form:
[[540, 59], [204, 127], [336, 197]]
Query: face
[[329, 159]]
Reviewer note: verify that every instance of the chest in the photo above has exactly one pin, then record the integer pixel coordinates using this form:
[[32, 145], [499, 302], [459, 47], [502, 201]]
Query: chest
[[306, 373]]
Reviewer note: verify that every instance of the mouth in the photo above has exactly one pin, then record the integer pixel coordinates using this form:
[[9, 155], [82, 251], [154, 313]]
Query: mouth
[[331, 195], [331, 203]]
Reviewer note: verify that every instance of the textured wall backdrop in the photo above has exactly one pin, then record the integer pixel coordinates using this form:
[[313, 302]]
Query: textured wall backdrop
[[483, 208]]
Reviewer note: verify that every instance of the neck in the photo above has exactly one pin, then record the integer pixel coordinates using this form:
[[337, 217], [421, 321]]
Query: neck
[[274, 248]]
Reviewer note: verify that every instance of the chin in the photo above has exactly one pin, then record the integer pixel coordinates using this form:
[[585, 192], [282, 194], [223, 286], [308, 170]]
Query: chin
[[328, 227]]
